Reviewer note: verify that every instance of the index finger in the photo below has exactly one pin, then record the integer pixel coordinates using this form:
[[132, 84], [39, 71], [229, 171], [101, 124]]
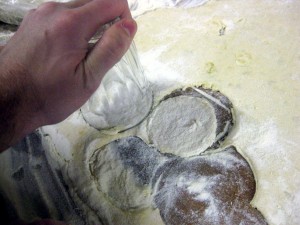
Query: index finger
[[96, 13]]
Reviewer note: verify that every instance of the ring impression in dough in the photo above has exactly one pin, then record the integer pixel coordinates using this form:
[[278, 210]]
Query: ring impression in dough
[[133, 176], [188, 122], [182, 124], [214, 188], [122, 171]]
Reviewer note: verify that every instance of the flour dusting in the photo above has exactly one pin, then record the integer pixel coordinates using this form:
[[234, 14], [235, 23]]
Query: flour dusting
[[212, 189], [247, 52], [183, 126]]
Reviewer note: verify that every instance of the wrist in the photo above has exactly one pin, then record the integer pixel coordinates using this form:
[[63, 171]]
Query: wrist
[[19, 114]]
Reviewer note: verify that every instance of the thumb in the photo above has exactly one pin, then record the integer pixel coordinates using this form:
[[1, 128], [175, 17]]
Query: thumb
[[111, 47]]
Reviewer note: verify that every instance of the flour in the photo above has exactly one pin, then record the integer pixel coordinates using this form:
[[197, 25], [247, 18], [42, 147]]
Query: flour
[[124, 97], [254, 62], [123, 171], [114, 182], [129, 177], [252, 67], [183, 126], [139, 7], [212, 189], [189, 121], [265, 140], [13, 11]]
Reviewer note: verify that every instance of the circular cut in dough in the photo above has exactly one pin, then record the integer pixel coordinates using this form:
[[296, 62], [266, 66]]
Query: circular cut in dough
[[123, 99], [183, 126], [212, 188], [122, 171], [188, 122]]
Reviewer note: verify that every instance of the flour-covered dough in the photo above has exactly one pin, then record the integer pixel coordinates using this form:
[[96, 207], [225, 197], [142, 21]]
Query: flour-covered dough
[[123, 171], [183, 126], [248, 50], [210, 189], [130, 177], [189, 121]]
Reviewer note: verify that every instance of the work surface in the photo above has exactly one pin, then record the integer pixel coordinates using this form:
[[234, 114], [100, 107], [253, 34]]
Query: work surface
[[248, 50]]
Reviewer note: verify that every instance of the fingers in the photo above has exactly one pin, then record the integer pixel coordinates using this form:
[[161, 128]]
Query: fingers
[[87, 15], [99, 8], [111, 47], [96, 13]]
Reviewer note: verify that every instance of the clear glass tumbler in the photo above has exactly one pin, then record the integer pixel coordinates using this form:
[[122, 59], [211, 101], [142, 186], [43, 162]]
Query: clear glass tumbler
[[124, 97]]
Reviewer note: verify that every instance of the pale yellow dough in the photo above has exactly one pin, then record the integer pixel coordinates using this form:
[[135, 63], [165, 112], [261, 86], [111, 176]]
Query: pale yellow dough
[[247, 49], [250, 51]]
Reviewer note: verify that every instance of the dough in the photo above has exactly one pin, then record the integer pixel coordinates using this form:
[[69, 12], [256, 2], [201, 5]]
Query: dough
[[114, 182], [13, 11], [131, 177], [210, 189], [188, 122], [179, 121], [247, 49], [123, 171], [255, 63]]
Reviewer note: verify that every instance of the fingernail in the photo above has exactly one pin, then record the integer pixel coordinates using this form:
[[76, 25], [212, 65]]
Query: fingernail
[[129, 25]]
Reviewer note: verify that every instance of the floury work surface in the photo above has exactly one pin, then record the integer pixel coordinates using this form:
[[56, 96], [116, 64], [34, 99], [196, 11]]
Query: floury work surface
[[248, 50]]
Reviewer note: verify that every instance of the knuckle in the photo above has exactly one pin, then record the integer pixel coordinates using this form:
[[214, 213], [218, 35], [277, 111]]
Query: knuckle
[[47, 7], [67, 18], [64, 21]]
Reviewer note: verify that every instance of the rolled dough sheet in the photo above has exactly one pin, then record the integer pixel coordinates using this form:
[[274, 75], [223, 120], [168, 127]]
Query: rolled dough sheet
[[250, 51]]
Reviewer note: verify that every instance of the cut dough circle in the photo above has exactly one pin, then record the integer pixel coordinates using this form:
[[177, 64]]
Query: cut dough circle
[[189, 121], [123, 171], [183, 125]]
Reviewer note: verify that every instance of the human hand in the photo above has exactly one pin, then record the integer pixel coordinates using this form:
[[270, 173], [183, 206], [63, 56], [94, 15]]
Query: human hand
[[48, 69]]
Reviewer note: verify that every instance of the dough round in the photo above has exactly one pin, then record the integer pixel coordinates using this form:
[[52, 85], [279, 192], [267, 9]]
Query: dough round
[[183, 125], [123, 171]]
